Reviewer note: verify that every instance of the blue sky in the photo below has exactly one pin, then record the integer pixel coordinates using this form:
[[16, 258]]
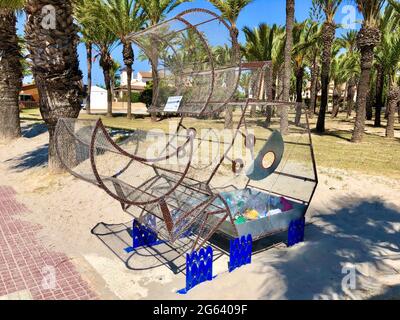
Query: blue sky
[[269, 11]]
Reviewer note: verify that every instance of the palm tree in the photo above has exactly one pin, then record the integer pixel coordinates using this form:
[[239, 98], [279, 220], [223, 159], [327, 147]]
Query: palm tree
[[305, 36], [89, 60], [259, 46], [52, 39], [313, 57], [341, 71], [391, 67], [10, 71], [155, 11], [388, 24], [329, 7], [230, 10], [388, 57], [368, 37], [278, 60], [115, 75], [122, 17], [287, 71], [86, 29], [348, 41], [87, 13]]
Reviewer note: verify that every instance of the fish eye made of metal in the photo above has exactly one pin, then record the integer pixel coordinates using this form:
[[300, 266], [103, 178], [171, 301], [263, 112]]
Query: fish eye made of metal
[[194, 55]]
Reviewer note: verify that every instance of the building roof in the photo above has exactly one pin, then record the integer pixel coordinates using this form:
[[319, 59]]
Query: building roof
[[98, 89], [146, 74], [29, 86], [135, 86]]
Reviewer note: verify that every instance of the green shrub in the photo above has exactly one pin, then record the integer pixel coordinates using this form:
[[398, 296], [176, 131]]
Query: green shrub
[[146, 96]]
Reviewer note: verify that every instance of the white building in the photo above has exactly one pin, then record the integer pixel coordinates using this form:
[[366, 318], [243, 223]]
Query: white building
[[138, 84], [98, 99], [144, 76], [141, 79]]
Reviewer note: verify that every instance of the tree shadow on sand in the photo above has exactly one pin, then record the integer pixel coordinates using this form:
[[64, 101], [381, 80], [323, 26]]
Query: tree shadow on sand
[[363, 234], [32, 159], [33, 130]]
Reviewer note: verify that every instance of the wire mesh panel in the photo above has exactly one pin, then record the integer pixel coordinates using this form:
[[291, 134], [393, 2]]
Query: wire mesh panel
[[192, 61]]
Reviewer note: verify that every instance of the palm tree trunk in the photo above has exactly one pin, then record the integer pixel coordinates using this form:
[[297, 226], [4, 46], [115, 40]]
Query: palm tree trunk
[[107, 80], [228, 118], [313, 90], [393, 99], [284, 121], [253, 111], [106, 65], [228, 110], [370, 102], [380, 77], [350, 96], [299, 93], [89, 75], [366, 40], [269, 79], [128, 61], [53, 50], [328, 35], [280, 84], [299, 84], [398, 111], [335, 101], [10, 76], [274, 84]]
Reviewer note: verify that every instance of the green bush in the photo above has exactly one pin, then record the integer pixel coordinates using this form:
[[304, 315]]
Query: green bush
[[146, 96], [135, 97]]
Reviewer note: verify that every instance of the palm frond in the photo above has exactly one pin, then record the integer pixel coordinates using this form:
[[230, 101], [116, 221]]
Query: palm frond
[[230, 9]]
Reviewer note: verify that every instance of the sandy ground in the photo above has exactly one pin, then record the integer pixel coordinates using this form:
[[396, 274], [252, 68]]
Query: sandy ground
[[354, 226]]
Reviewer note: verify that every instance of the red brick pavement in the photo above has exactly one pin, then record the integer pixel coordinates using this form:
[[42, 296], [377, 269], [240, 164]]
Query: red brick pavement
[[24, 262]]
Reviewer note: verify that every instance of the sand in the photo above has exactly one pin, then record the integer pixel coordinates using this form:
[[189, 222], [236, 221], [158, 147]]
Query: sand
[[354, 223]]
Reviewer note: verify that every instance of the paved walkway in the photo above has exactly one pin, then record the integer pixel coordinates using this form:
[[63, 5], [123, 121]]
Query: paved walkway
[[28, 270]]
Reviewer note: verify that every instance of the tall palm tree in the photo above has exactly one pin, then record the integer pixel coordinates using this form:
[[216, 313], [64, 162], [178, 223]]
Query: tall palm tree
[[388, 58], [230, 10], [388, 24], [305, 37], [155, 11], [10, 71], [313, 57], [259, 46], [89, 62], [104, 41], [287, 71], [278, 62], [348, 41], [329, 7], [115, 75], [86, 29], [52, 39], [122, 17], [342, 69], [368, 38]]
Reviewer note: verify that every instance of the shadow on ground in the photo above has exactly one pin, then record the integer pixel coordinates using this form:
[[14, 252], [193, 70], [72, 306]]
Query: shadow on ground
[[32, 159], [362, 234], [118, 238], [33, 130]]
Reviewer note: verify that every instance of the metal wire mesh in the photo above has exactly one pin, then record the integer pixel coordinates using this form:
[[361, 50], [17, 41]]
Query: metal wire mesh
[[190, 60]]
